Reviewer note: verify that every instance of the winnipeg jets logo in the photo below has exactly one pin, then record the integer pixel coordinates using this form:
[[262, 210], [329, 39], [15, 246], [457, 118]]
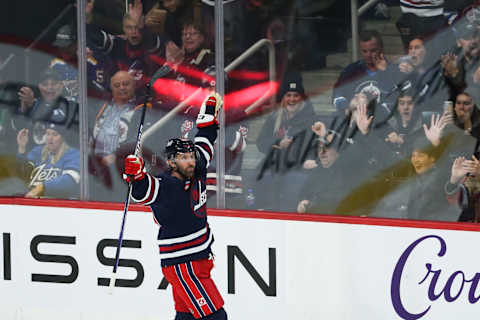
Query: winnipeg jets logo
[[371, 88], [40, 174], [122, 131]]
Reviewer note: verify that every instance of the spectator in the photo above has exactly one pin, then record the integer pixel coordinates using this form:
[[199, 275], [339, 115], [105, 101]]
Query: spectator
[[420, 18], [295, 115], [462, 132], [328, 177], [355, 133], [99, 67], [55, 165], [49, 106], [362, 149], [372, 73], [280, 139], [132, 52], [189, 66], [405, 122], [165, 18], [467, 114], [343, 182], [108, 15], [462, 189], [420, 194], [462, 68], [115, 126], [423, 72], [185, 71]]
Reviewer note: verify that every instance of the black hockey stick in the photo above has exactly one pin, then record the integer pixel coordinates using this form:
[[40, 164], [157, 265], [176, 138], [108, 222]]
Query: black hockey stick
[[129, 191]]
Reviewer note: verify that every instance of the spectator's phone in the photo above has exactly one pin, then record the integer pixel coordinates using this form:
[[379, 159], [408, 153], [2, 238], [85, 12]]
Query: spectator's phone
[[427, 117], [448, 106], [407, 59]]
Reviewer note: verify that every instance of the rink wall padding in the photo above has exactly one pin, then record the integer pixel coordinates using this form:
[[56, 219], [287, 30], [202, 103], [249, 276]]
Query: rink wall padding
[[56, 260]]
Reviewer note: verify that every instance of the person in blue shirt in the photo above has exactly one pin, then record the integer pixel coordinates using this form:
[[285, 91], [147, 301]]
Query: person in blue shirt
[[55, 166]]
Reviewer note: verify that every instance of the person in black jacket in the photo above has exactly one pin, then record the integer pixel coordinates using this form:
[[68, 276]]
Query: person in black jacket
[[34, 109], [372, 73], [281, 140], [132, 52]]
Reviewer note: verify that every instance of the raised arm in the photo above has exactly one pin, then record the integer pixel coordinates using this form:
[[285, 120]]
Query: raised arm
[[207, 125]]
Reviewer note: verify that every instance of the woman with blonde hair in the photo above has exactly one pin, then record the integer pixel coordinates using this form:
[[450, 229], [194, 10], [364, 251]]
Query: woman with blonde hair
[[54, 166], [282, 137]]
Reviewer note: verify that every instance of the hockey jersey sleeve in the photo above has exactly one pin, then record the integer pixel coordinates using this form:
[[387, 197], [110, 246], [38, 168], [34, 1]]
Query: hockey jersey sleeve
[[105, 42], [204, 141], [145, 191], [98, 38]]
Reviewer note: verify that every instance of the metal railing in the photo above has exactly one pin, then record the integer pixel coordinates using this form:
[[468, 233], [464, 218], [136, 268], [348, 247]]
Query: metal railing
[[220, 77], [235, 63], [356, 13]]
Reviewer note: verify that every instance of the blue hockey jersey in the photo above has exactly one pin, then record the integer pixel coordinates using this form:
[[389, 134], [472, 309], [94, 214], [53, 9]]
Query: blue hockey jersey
[[60, 177], [180, 207]]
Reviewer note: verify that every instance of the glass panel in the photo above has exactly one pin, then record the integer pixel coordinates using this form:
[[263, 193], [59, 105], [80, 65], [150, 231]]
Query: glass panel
[[39, 134], [348, 137], [171, 48]]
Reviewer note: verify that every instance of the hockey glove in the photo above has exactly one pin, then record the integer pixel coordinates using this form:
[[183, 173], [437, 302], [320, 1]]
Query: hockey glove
[[209, 111], [134, 169]]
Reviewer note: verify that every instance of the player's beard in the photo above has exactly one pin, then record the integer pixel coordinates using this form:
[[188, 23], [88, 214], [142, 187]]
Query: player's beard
[[187, 173]]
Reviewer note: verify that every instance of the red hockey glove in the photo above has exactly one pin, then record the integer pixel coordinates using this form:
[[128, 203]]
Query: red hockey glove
[[134, 169], [209, 111]]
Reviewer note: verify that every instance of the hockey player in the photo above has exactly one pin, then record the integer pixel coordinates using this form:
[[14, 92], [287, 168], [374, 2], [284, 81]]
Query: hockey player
[[178, 199]]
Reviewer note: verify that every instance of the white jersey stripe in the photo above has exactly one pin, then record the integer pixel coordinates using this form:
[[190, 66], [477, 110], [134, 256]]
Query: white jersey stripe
[[74, 174], [188, 251], [146, 193], [206, 141], [227, 176], [205, 154], [229, 190], [238, 136], [156, 184], [188, 237]]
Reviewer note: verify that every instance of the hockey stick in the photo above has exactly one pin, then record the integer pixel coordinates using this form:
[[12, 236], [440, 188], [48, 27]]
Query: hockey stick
[[129, 191]]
